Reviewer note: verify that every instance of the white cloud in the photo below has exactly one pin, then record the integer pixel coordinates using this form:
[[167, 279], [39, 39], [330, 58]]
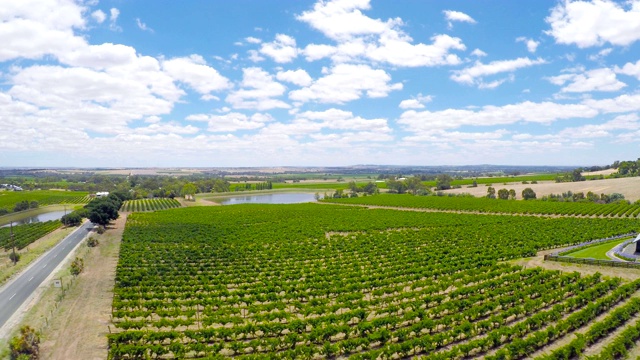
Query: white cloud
[[594, 23], [479, 70], [254, 56], [258, 91], [532, 45], [298, 77], [142, 26], [601, 54], [231, 122], [452, 16], [195, 72], [99, 16], [345, 83], [361, 37], [630, 69], [478, 53], [252, 40], [593, 80], [416, 102], [113, 19], [281, 50]]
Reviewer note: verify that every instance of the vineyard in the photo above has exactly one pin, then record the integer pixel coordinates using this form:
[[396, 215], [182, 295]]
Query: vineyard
[[8, 199], [24, 235], [496, 206], [149, 205], [310, 281]]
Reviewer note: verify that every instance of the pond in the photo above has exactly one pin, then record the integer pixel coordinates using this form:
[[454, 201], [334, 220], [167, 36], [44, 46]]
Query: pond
[[283, 198], [52, 215]]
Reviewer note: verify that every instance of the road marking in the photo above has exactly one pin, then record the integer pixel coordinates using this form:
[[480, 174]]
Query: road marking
[[55, 255], [30, 279], [12, 296], [45, 265]]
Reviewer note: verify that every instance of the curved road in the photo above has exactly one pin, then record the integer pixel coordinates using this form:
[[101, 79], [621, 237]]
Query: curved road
[[13, 295]]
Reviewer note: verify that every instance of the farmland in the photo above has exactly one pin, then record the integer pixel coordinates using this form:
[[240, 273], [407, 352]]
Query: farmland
[[26, 234], [310, 280], [149, 204], [496, 206], [8, 199]]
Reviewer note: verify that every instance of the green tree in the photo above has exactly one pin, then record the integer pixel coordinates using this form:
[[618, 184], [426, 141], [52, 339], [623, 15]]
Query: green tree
[[528, 194], [443, 182], [189, 190], [512, 194], [72, 219], [491, 192], [370, 188], [503, 194], [414, 185]]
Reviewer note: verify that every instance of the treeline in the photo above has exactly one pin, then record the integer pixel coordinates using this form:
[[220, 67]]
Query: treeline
[[99, 211]]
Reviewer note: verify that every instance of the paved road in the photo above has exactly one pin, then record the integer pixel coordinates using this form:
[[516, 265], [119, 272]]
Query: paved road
[[16, 293]]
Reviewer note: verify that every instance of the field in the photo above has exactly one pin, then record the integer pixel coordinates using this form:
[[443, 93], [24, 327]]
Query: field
[[8, 199], [23, 235], [149, 205], [598, 252], [495, 206], [629, 187], [318, 280]]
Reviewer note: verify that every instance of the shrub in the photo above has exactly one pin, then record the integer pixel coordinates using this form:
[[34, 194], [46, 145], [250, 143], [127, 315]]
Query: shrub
[[101, 230], [92, 242], [26, 345], [77, 266], [15, 257]]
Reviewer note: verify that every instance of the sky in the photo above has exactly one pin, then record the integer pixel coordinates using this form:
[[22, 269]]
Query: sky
[[204, 83]]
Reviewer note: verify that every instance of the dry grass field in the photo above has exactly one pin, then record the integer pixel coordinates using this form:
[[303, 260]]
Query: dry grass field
[[629, 187]]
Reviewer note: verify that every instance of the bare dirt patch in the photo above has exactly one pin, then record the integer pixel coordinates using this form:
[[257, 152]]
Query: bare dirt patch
[[78, 327], [629, 187]]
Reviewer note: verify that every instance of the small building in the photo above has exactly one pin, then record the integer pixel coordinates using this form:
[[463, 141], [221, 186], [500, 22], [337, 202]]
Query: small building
[[637, 242], [102, 194]]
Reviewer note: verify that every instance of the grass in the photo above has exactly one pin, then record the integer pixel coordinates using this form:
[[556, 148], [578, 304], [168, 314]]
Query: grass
[[598, 252], [30, 253]]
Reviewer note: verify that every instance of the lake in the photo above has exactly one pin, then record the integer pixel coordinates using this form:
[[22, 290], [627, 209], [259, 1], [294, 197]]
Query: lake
[[283, 198], [52, 215]]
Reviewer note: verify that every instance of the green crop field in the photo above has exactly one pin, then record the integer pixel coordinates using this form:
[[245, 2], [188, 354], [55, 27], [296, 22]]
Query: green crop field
[[598, 251], [23, 235], [320, 281], [8, 199], [149, 204], [485, 205]]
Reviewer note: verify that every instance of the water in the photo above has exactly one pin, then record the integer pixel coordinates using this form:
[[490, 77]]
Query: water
[[284, 198], [53, 215]]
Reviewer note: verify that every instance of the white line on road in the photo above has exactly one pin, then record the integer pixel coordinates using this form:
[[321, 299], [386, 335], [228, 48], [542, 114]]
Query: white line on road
[[30, 279], [45, 265], [12, 296]]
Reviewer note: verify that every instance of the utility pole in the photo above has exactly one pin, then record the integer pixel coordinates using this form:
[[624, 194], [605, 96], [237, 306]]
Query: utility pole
[[15, 259]]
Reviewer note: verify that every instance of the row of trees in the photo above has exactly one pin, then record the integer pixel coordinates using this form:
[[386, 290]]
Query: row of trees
[[504, 194], [99, 211]]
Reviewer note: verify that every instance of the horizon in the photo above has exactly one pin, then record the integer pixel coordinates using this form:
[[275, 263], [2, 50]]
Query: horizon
[[249, 84]]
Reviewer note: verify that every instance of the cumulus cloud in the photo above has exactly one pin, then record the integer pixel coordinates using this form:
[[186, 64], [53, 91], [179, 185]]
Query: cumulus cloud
[[281, 50], [458, 16], [99, 16], [594, 23], [478, 53], [258, 91], [532, 45], [344, 83], [252, 40], [416, 102], [474, 74], [195, 72], [593, 80], [358, 36], [113, 19], [233, 121], [630, 69], [298, 77]]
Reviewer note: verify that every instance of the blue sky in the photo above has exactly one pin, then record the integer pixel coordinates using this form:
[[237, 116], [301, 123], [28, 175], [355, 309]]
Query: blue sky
[[303, 83]]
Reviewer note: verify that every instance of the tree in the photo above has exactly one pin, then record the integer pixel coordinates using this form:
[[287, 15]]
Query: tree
[[26, 345], [443, 182], [512, 194], [189, 190], [414, 184], [103, 210], [370, 188], [528, 193], [503, 194], [491, 192], [72, 219], [576, 175], [396, 186]]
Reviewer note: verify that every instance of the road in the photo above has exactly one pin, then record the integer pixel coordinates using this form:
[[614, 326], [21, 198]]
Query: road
[[19, 290]]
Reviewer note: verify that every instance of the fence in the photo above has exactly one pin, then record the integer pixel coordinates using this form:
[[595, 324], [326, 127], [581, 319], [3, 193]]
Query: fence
[[569, 259]]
